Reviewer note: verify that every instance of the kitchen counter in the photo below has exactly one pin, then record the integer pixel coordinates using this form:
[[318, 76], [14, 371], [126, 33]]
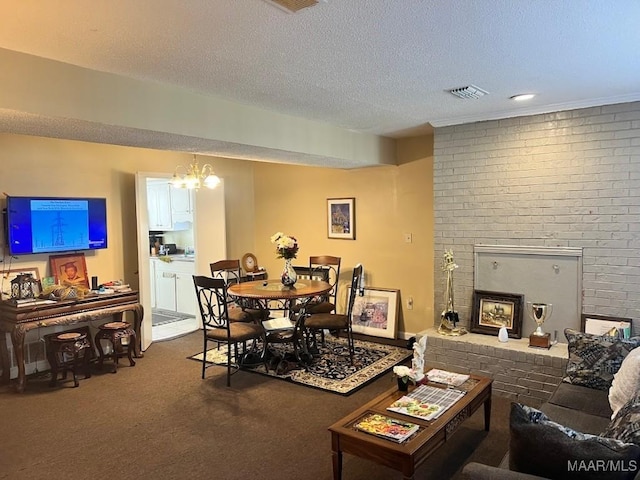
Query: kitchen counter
[[176, 257]]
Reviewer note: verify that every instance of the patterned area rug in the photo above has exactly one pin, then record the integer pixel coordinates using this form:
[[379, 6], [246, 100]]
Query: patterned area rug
[[331, 370]]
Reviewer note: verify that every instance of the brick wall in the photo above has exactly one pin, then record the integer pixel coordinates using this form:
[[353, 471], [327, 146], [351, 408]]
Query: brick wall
[[568, 178], [528, 377]]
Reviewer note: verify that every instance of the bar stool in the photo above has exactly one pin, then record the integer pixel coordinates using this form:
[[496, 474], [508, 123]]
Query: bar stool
[[116, 332], [61, 347]]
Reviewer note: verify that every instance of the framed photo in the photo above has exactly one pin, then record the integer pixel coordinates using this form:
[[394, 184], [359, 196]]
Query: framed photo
[[70, 270], [341, 218], [603, 325], [7, 275], [376, 312], [493, 310]]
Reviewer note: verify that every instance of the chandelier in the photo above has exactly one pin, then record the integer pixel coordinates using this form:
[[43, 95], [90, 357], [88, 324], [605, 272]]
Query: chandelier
[[194, 177]]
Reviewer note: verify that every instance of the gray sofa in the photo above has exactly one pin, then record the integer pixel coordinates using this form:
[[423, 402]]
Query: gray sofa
[[550, 442]]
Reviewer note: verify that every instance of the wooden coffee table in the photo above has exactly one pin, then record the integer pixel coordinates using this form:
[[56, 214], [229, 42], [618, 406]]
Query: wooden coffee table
[[407, 456]]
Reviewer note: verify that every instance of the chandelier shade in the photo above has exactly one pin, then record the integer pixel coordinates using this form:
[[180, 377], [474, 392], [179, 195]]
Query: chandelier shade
[[193, 177]]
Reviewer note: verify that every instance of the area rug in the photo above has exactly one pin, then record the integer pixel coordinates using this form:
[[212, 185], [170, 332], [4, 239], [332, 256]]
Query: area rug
[[331, 369]]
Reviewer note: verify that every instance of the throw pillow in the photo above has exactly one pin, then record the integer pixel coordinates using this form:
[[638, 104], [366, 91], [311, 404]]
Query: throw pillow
[[626, 382], [594, 359], [539, 446], [626, 424]]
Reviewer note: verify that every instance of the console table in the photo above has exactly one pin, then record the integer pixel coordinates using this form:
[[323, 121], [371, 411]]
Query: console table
[[18, 320]]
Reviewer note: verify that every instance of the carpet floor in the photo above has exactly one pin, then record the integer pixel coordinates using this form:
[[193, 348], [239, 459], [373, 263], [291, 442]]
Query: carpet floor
[[159, 421], [331, 370]]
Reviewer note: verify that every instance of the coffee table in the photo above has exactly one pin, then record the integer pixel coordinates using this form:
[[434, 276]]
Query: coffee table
[[407, 456]]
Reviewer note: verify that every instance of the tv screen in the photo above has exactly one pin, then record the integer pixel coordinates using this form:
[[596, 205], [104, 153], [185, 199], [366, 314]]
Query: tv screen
[[55, 224]]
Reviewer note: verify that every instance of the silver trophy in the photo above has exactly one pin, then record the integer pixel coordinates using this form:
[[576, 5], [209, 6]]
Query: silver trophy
[[539, 312]]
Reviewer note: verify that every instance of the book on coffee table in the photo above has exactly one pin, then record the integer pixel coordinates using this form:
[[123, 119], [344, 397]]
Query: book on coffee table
[[386, 427], [415, 408], [426, 402], [450, 378]]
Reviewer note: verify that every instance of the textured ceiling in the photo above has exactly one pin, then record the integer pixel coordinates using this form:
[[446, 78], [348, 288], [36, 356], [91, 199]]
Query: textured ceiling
[[371, 66]]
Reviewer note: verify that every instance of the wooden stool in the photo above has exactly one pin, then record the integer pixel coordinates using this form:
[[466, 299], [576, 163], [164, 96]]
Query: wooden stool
[[64, 345], [115, 332]]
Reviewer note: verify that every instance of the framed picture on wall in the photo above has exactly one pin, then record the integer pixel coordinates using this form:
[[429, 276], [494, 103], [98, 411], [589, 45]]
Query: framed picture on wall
[[604, 325], [70, 270], [341, 218], [376, 312], [494, 310]]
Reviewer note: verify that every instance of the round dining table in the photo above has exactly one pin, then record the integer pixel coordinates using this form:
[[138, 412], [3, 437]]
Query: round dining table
[[302, 292]]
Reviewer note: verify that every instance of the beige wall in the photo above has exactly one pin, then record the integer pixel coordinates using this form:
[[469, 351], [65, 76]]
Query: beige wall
[[390, 201], [50, 167], [261, 198]]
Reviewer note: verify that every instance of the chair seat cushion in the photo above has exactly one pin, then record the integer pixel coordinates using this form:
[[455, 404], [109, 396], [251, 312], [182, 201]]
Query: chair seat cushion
[[238, 332], [327, 320], [322, 307], [237, 314]]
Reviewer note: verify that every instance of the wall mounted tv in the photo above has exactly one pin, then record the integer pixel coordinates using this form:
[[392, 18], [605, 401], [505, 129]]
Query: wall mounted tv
[[55, 224]]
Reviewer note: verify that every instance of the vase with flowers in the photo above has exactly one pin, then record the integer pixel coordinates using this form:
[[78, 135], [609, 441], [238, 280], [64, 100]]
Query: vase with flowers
[[405, 375], [287, 248]]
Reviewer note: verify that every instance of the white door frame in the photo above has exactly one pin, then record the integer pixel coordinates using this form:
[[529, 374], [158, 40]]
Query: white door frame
[[209, 236]]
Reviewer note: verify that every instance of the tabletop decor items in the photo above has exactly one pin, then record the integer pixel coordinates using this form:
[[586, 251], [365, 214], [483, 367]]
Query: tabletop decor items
[[287, 248], [449, 316], [405, 375]]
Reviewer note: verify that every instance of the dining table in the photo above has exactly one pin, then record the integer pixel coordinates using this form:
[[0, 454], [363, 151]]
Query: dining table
[[261, 293]]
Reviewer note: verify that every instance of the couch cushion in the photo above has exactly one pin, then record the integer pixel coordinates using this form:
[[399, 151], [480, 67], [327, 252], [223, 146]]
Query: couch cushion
[[626, 382], [575, 419], [594, 359], [539, 446], [626, 424], [584, 399]]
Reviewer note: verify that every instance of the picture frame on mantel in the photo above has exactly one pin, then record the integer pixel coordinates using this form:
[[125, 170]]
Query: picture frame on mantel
[[341, 218], [494, 310], [603, 325]]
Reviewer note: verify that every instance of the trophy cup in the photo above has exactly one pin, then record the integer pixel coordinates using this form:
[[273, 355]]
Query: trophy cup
[[539, 312]]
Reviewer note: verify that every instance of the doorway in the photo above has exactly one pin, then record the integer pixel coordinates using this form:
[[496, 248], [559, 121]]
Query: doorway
[[166, 285]]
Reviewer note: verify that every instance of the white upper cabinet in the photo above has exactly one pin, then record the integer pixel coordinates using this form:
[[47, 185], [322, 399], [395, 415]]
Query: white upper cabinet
[[159, 205]]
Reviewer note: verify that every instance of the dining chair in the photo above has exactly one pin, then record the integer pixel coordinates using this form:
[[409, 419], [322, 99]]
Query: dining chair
[[318, 322], [217, 326], [229, 271]]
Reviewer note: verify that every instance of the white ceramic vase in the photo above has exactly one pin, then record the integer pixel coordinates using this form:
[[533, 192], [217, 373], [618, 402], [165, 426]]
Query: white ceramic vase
[[503, 334]]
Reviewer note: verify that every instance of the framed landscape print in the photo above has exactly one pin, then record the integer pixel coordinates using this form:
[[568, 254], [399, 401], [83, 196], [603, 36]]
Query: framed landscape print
[[341, 218], [376, 312], [493, 310]]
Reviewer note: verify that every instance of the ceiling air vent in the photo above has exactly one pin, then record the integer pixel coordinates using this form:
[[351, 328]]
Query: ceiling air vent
[[470, 91], [293, 6]]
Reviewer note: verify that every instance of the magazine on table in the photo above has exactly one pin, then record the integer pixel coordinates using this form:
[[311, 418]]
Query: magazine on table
[[386, 427], [449, 378], [426, 402]]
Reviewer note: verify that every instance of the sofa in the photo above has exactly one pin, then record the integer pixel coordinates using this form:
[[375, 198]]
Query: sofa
[[588, 429]]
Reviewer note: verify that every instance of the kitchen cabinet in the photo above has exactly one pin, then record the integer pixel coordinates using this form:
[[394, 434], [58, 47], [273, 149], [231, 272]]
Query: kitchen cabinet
[[181, 205], [174, 286], [152, 266], [159, 205]]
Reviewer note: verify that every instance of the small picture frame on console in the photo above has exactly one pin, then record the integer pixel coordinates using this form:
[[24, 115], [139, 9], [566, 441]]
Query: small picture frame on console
[[605, 325], [70, 270], [494, 310]]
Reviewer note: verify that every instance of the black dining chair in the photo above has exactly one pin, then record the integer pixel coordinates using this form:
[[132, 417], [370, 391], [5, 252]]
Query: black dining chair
[[318, 322], [229, 271], [217, 326]]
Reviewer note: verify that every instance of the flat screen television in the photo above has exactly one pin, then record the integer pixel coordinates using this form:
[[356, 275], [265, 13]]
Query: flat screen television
[[55, 224]]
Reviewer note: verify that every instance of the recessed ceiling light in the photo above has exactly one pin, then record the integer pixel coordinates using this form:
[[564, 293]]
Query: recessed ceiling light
[[522, 97]]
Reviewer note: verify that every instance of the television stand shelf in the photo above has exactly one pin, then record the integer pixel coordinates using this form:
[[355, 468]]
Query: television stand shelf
[[18, 320]]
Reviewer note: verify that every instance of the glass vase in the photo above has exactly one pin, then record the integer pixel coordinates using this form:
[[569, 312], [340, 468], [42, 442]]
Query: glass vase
[[289, 276]]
